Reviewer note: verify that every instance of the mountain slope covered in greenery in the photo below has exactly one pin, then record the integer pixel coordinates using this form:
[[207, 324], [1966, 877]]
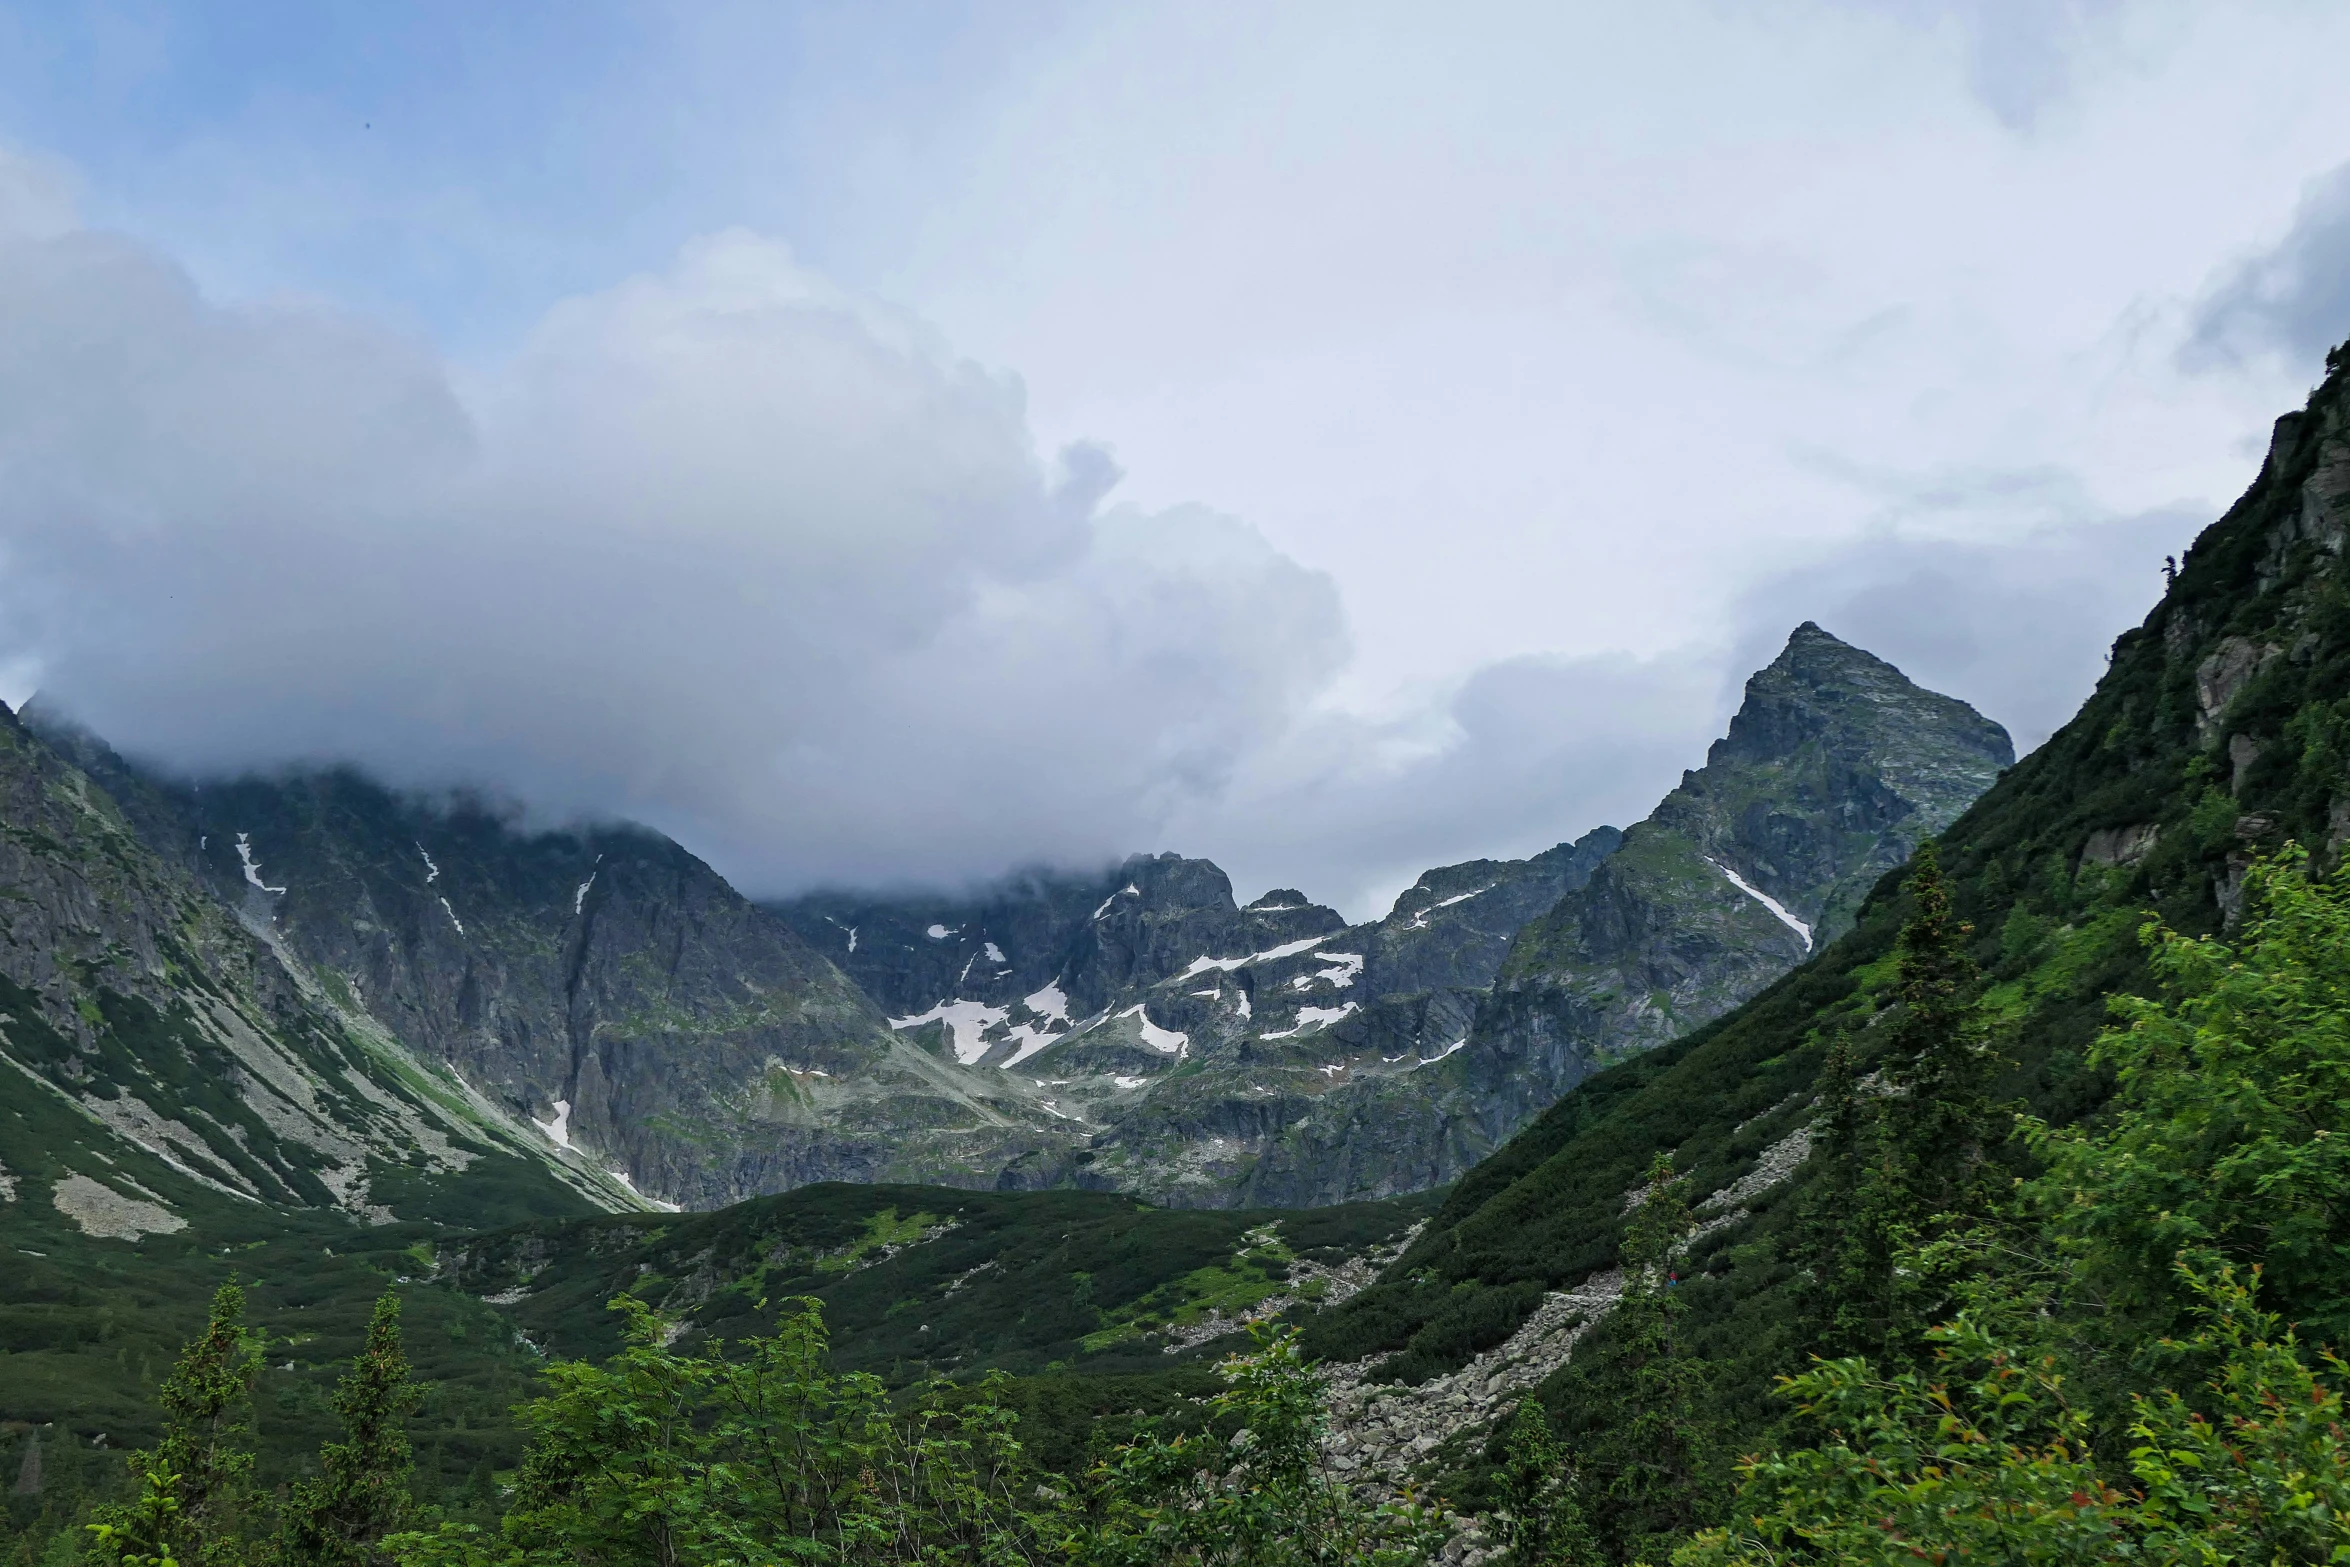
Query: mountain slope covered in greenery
[[2220, 731]]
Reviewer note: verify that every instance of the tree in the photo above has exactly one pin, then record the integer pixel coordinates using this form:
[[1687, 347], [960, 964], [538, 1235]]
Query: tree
[[751, 1452], [1855, 1217], [1990, 1459], [1943, 1122], [2202, 1212], [2226, 1143], [196, 1505], [340, 1518], [1541, 1524], [1651, 1476]]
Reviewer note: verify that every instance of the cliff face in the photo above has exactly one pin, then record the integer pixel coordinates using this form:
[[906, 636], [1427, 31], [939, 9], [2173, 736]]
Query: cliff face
[[1210, 1055], [603, 985], [170, 1058], [1194, 1044]]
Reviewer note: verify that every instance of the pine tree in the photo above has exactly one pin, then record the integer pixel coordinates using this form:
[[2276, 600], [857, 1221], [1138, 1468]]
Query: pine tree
[[196, 1505], [362, 1495], [1857, 1217], [1541, 1523], [1655, 1475], [1943, 1121]]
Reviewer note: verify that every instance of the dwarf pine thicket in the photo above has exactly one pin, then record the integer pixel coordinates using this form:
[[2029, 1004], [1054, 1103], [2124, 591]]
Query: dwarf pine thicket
[[2035, 1345], [750, 1452]]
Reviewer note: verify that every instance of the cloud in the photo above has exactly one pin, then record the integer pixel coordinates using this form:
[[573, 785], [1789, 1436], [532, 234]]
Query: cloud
[[763, 562], [1519, 755], [1528, 751], [724, 549], [36, 196], [2023, 55], [2293, 298]]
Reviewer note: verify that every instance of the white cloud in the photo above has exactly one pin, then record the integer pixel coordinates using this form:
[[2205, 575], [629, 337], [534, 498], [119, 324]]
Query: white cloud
[[723, 549]]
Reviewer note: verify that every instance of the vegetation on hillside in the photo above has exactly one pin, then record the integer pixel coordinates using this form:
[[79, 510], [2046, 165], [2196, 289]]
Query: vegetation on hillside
[[2138, 1368], [757, 1451]]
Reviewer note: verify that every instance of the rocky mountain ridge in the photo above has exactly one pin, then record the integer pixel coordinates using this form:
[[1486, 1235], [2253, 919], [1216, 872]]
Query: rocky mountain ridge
[[1213, 1055], [601, 985], [2218, 732], [1835, 766], [172, 1057], [1136, 1030]]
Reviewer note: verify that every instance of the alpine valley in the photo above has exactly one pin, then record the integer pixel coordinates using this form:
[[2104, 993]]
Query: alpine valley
[[1081, 1126]]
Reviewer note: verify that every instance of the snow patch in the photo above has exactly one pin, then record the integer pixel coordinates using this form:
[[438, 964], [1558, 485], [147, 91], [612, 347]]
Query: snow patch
[[1288, 949], [967, 1021], [253, 866], [1210, 994], [994, 953], [559, 1129], [432, 872], [1164, 1040], [938, 933], [1127, 891], [1349, 968], [1440, 1055], [622, 1177], [1419, 921], [579, 898], [1028, 1040], [1049, 1002], [1310, 1018], [1765, 899], [453, 919], [1130, 1082]]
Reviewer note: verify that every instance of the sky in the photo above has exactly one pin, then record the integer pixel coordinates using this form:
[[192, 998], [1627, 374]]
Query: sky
[[896, 445]]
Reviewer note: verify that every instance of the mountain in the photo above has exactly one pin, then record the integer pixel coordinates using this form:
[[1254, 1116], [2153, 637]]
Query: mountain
[[601, 985], [1213, 1055], [168, 1054], [611, 1010], [1835, 767], [2217, 732], [1180, 1032]]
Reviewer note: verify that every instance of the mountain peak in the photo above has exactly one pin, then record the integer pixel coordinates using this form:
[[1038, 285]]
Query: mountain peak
[[1823, 691]]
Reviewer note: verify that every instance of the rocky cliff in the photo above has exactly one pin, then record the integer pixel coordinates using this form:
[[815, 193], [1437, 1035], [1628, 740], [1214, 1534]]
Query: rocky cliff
[[1212, 1055], [602, 985], [170, 1058], [1135, 1029], [2220, 730], [1834, 768]]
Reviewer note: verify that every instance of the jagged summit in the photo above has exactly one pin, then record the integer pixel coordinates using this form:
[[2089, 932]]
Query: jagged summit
[[1209, 1054], [1823, 691]]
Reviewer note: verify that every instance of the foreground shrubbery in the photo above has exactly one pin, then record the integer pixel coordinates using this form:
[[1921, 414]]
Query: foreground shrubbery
[[751, 1453], [2122, 1379]]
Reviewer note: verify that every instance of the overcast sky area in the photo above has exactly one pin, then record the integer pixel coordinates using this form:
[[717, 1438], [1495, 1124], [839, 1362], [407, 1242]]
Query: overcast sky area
[[894, 445]]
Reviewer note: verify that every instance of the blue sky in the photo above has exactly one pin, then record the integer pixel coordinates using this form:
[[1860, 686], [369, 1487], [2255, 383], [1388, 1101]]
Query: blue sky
[[1336, 438]]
